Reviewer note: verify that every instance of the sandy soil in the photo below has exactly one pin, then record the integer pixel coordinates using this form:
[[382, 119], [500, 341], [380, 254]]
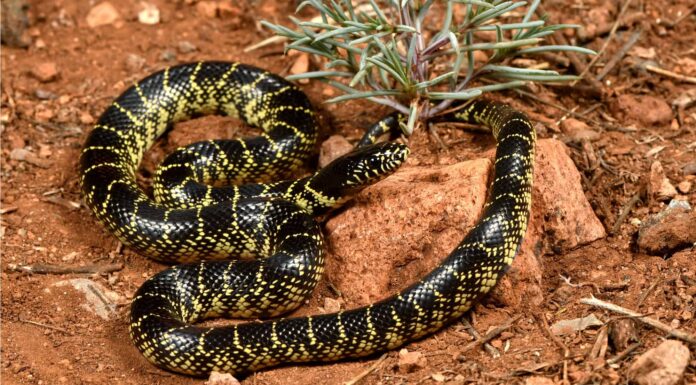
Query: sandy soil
[[53, 91]]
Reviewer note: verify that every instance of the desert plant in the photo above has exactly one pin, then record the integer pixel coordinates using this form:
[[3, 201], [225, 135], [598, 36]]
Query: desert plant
[[382, 51]]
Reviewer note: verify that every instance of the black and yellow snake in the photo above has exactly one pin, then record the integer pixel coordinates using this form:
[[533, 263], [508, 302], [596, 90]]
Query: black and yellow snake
[[269, 225]]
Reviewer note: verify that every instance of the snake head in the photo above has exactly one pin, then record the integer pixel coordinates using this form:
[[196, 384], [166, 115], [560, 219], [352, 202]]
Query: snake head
[[360, 168]]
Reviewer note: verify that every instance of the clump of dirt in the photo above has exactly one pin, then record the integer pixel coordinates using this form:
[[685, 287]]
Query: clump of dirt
[[637, 107]]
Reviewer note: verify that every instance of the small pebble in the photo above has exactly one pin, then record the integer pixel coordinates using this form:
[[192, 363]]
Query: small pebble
[[577, 130], [149, 15], [207, 8], [221, 379], [45, 95], [186, 47], [659, 187], [684, 187], [168, 55], [45, 72], [102, 14], [134, 62], [411, 361]]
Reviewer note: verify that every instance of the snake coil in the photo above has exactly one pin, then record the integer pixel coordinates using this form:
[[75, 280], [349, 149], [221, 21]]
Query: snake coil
[[269, 226]]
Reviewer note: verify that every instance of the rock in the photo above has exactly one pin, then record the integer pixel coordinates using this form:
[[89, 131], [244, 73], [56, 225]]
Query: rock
[[207, 8], [663, 365], [331, 305], [577, 130], [570, 326], [25, 155], [13, 28], [134, 63], [102, 14], [300, 66], [86, 118], [659, 187], [565, 212], [332, 148], [411, 361], [684, 187], [420, 214], [621, 332], [45, 95], [668, 231], [689, 169], [186, 47], [149, 15], [45, 72], [99, 300], [644, 109], [539, 380], [168, 55], [221, 379]]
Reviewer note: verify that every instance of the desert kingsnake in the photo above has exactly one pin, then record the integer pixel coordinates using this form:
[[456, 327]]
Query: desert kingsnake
[[250, 221]]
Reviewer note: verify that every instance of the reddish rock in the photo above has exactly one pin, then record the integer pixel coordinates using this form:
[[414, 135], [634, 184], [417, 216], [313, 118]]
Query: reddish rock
[[420, 214], [411, 361], [45, 72], [102, 14], [684, 187], [659, 187], [644, 109], [577, 130], [207, 8], [332, 148], [663, 365], [564, 211], [221, 379], [671, 230]]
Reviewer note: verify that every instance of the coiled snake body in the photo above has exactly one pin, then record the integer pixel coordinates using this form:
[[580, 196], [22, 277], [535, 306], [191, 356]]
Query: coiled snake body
[[269, 225]]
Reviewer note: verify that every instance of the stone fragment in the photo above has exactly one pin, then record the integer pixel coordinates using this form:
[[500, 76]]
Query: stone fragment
[[331, 305], [102, 14], [684, 187], [300, 66], [207, 8], [577, 130], [25, 155], [668, 231], [644, 109], [332, 148], [621, 332], [662, 365], [217, 378], [659, 187], [149, 15], [186, 46], [134, 62], [570, 326], [539, 380], [411, 361], [45, 71], [99, 300]]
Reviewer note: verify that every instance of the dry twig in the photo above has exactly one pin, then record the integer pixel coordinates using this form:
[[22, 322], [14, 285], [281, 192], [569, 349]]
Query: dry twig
[[680, 334], [491, 334], [624, 212], [608, 40], [40, 268], [674, 75], [619, 55], [367, 371]]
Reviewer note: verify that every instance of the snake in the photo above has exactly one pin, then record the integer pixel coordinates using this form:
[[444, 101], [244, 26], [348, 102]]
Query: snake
[[244, 242]]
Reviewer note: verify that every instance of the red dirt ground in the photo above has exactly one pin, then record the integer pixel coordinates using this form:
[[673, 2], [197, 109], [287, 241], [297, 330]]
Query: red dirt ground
[[49, 338]]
